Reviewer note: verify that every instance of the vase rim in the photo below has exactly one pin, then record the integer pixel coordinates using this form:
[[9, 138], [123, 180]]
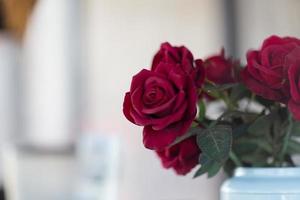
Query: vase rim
[[267, 172]]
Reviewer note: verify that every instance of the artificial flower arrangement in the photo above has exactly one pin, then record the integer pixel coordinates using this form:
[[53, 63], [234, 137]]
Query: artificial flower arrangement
[[170, 99]]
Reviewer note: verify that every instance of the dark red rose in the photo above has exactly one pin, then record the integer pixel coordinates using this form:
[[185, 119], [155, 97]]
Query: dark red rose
[[266, 71], [294, 80], [174, 55], [162, 100], [220, 70], [180, 57], [182, 157]]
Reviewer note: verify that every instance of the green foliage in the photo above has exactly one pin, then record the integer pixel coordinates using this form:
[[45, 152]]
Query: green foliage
[[264, 102], [238, 92], [202, 110], [296, 128], [215, 144], [261, 125], [208, 166], [191, 132], [256, 159], [293, 146], [243, 137], [210, 87], [252, 143], [205, 164]]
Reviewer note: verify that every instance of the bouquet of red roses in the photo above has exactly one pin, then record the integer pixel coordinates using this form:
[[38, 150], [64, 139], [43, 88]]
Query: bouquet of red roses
[[171, 98]]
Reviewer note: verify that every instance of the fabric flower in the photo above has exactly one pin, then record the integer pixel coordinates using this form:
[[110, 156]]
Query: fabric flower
[[220, 70], [182, 157], [266, 73], [182, 58], [163, 101]]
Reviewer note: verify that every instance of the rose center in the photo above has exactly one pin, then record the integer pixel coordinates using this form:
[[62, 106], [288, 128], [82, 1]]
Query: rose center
[[153, 95]]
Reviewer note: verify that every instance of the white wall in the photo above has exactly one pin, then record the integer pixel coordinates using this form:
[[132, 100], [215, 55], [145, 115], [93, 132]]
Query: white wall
[[120, 38]]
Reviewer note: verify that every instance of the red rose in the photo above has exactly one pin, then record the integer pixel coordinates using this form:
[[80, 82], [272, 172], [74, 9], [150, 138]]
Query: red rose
[[164, 101], [266, 71], [182, 157], [174, 55], [180, 57], [219, 69], [294, 80]]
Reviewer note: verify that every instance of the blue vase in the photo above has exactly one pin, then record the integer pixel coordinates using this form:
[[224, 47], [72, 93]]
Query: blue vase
[[262, 184]]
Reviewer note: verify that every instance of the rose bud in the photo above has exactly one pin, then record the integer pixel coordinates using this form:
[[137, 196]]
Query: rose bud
[[220, 70]]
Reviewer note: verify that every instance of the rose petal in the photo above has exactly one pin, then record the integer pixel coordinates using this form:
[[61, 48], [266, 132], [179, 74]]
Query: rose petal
[[276, 40], [262, 89], [273, 55], [162, 83], [272, 40], [158, 140], [137, 100], [161, 108], [162, 123], [186, 60], [127, 107], [261, 73], [139, 78], [294, 79], [178, 78], [180, 98], [173, 55], [164, 69]]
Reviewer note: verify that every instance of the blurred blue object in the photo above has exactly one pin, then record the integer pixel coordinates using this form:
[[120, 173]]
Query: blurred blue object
[[98, 166], [262, 184]]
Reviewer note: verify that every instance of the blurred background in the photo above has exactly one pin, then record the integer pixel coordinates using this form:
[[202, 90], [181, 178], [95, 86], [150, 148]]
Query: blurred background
[[64, 68]]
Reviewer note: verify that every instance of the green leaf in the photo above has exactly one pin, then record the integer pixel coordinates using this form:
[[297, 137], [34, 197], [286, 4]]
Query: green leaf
[[235, 159], [238, 92], [230, 114], [213, 87], [251, 143], [202, 170], [264, 102], [262, 125], [256, 159], [215, 142], [241, 148], [214, 169], [293, 147], [202, 110], [240, 130], [207, 166], [286, 138], [296, 128], [204, 159], [191, 132]]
